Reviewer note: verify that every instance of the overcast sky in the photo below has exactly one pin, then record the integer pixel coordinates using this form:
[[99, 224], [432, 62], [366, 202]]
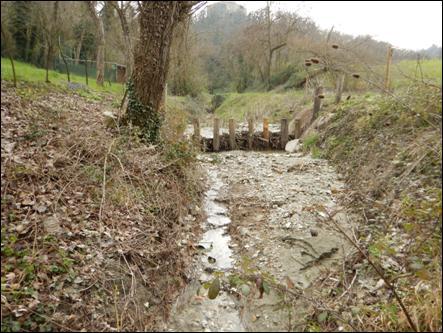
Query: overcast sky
[[406, 24]]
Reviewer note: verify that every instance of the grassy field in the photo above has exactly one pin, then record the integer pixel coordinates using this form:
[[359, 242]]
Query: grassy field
[[403, 71], [29, 73]]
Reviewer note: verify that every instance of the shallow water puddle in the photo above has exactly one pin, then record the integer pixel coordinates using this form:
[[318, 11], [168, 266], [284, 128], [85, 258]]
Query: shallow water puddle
[[218, 245], [216, 239], [193, 312]]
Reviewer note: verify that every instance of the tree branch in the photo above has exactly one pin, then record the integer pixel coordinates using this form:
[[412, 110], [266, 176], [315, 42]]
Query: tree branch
[[275, 48]]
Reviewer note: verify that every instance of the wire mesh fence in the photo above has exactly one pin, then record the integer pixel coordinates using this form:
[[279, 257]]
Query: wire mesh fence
[[113, 72]]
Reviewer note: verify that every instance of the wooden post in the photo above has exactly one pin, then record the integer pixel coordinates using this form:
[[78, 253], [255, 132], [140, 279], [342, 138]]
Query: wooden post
[[196, 136], [297, 128], [62, 55], [232, 134], [86, 71], [388, 69], [284, 133], [250, 133], [165, 96], [317, 102], [266, 131], [339, 87], [216, 137]]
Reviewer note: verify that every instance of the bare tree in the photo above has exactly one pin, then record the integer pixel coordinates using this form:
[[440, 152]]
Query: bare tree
[[49, 26], [275, 38], [268, 34], [100, 40], [64, 59], [122, 7], [79, 46], [7, 40]]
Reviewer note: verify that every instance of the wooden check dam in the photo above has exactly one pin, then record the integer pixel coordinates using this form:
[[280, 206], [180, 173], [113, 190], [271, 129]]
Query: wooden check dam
[[253, 136]]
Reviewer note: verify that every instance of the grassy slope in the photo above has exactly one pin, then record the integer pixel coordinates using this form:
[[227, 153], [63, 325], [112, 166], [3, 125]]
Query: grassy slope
[[30, 73], [277, 105], [273, 105], [177, 106], [391, 155]]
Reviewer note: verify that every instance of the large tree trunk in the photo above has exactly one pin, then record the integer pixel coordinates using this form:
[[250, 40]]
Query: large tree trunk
[[157, 20], [100, 35]]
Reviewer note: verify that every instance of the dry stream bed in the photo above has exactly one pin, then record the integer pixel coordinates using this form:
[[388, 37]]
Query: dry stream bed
[[262, 224]]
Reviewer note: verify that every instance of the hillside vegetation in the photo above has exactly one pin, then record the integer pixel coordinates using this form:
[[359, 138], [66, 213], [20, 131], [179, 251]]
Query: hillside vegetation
[[389, 150]]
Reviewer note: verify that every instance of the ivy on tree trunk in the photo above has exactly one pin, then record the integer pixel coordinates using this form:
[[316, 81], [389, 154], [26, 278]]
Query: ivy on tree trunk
[[157, 20]]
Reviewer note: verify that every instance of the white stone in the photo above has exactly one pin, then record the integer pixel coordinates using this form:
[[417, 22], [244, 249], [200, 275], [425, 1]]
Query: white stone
[[293, 146]]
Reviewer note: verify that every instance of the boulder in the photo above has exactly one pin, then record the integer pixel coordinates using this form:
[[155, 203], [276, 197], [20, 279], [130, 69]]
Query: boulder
[[293, 146], [77, 86], [110, 119]]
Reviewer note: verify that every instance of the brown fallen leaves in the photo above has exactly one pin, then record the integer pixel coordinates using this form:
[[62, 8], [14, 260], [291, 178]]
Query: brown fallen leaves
[[62, 267]]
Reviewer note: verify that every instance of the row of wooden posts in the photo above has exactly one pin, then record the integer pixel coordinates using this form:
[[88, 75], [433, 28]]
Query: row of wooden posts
[[284, 133]]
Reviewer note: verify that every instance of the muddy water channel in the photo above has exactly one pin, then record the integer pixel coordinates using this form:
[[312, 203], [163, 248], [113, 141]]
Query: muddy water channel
[[264, 234], [194, 311]]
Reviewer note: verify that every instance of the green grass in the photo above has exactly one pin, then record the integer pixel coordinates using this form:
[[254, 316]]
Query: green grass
[[29, 73], [270, 104], [194, 106], [431, 70], [310, 144]]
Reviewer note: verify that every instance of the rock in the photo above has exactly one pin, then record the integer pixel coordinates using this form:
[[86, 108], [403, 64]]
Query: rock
[[78, 280], [243, 231], [8, 147], [40, 208], [255, 255], [293, 146], [380, 284], [28, 202], [211, 260], [20, 228], [52, 225], [322, 121], [77, 86], [314, 233], [110, 119]]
